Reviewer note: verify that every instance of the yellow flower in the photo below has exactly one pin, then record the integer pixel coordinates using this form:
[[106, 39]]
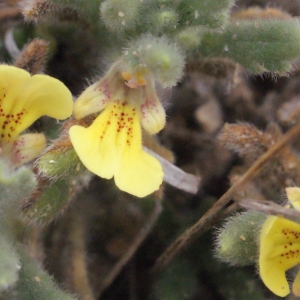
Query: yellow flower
[[112, 145], [280, 250], [24, 99]]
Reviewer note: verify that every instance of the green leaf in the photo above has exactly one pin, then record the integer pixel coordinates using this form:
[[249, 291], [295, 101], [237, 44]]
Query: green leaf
[[51, 202], [15, 185], [261, 46], [210, 13], [9, 262], [35, 284]]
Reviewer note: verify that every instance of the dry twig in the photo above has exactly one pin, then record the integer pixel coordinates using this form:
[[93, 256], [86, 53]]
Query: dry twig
[[213, 214], [271, 208]]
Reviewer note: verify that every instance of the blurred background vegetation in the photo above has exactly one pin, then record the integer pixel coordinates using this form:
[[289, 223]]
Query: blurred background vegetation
[[101, 243]]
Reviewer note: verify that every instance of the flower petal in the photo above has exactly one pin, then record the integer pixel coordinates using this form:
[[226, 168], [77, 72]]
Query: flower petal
[[27, 147], [93, 99], [112, 146], [274, 279], [279, 251], [23, 99], [139, 173], [10, 78], [98, 95], [293, 194], [45, 95], [96, 145], [153, 116]]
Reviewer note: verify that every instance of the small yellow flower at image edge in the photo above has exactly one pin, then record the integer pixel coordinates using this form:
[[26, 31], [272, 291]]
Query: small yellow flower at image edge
[[280, 250], [112, 145], [24, 99]]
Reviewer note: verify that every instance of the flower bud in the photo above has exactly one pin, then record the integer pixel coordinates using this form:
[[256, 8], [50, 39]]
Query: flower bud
[[119, 15], [237, 241], [57, 164], [190, 37], [60, 159], [162, 57], [36, 10], [162, 20]]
